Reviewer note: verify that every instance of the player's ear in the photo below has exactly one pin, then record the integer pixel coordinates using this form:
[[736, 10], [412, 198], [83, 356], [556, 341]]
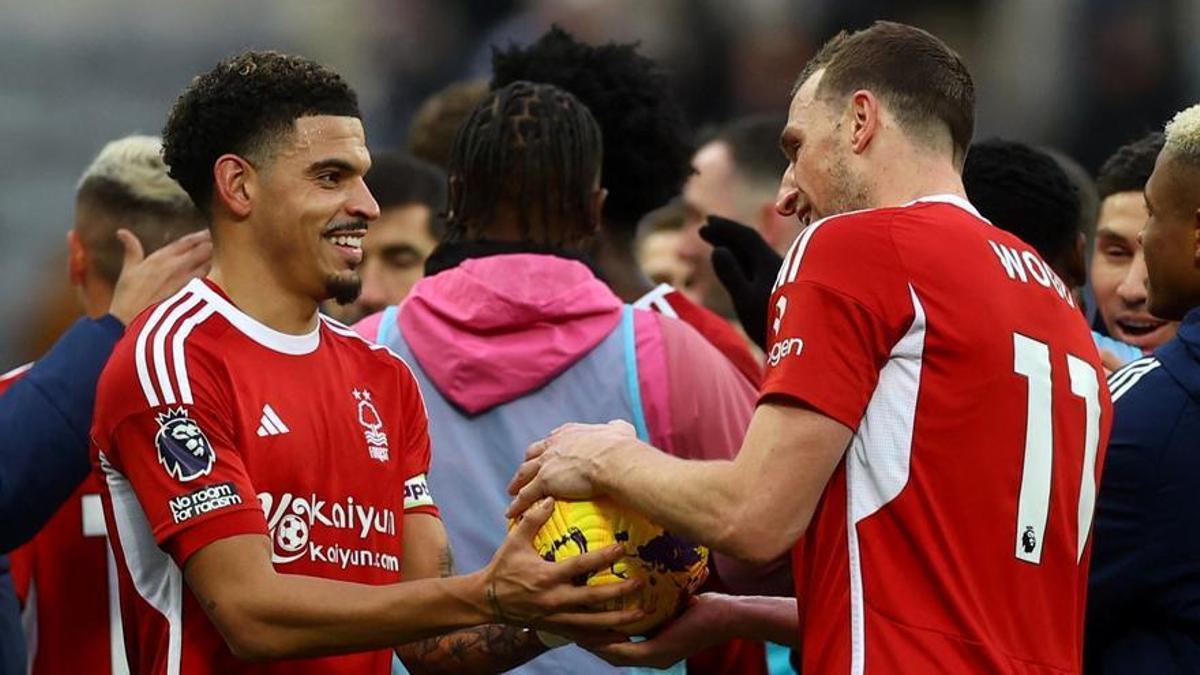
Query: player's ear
[[76, 258], [864, 120], [234, 186]]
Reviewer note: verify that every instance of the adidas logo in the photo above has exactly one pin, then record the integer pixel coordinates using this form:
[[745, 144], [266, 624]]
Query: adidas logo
[[270, 424]]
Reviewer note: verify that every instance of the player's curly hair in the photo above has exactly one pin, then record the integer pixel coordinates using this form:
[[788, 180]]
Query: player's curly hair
[[242, 106], [533, 148], [647, 141], [1024, 191], [1128, 169]]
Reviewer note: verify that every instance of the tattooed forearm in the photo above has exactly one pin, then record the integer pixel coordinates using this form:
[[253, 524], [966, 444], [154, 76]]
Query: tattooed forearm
[[446, 562], [484, 649]]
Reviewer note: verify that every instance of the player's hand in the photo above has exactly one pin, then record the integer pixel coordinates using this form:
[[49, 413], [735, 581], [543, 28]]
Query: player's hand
[[747, 266], [523, 590], [566, 462], [145, 279], [703, 624], [1110, 361]]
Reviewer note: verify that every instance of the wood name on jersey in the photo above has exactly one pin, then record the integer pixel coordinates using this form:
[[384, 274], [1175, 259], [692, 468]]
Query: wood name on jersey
[[1026, 265]]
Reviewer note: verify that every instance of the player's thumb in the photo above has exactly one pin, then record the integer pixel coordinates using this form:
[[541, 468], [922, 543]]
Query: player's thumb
[[534, 518], [134, 253]]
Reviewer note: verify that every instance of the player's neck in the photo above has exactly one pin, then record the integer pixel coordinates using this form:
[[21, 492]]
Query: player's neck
[[261, 295], [95, 295], [921, 178], [621, 270]]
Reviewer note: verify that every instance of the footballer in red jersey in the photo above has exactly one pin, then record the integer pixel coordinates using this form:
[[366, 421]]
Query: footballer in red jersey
[[932, 418], [65, 576], [263, 467]]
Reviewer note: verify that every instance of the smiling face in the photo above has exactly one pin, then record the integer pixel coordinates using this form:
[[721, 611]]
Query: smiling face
[[1119, 274], [819, 181], [313, 207]]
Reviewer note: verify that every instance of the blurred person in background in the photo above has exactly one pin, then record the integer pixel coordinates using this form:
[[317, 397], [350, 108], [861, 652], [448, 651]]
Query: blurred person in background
[[660, 233], [647, 147], [512, 336], [125, 206], [737, 174], [436, 122], [1118, 264], [411, 194], [1143, 608], [1027, 192]]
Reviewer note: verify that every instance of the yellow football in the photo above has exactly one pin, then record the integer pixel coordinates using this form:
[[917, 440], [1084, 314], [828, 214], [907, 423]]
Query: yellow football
[[671, 569]]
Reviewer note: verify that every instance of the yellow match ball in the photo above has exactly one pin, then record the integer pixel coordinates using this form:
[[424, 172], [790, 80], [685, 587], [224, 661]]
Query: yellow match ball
[[671, 569]]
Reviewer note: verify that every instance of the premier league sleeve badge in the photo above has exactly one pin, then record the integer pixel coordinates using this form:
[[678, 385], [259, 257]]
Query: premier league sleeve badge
[[183, 449]]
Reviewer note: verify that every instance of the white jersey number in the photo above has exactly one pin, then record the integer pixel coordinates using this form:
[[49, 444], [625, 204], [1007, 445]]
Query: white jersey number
[[1032, 361]]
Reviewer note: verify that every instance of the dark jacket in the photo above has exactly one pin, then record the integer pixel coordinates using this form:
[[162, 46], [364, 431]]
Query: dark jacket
[[45, 420], [1143, 607]]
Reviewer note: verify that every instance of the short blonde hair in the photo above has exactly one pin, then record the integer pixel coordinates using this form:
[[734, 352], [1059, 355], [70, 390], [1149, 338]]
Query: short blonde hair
[[135, 163], [127, 186], [1183, 135]]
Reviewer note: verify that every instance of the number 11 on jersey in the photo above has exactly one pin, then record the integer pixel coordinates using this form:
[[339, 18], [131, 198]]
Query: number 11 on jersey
[[1031, 359]]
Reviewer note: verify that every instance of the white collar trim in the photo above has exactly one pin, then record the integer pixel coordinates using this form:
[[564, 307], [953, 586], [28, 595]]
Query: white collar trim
[[952, 199], [284, 343]]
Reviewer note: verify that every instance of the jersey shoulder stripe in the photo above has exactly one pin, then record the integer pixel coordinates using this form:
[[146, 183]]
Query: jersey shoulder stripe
[[15, 373], [656, 301], [1120, 382], [789, 271], [151, 345]]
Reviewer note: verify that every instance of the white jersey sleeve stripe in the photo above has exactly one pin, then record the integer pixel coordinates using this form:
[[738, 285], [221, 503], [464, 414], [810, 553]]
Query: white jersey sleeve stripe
[[801, 247], [654, 300], [159, 350], [140, 349], [178, 355], [156, 577], [787, 263], [1129, 370], [16, 372], [879, 459], [1131, 381]]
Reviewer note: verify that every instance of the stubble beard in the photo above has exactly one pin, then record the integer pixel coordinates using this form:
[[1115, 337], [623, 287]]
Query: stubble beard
[[848, 192]]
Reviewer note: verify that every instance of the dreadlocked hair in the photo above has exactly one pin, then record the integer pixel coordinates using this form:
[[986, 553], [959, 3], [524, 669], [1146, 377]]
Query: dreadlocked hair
[[647, 140], [534, 150]]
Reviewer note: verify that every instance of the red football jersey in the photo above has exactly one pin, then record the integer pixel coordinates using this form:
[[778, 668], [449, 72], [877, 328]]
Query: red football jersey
[[952, 537], [65, 578], [209, 424], [720, 333]]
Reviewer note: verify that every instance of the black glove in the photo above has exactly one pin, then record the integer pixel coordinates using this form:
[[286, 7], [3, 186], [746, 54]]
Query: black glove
[[747, 267]]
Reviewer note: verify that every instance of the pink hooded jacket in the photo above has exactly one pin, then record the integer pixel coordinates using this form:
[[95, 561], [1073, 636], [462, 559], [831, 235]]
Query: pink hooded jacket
[[497, 328]]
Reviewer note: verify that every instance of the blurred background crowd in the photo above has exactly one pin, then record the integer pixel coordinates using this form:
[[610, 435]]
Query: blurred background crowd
[[1082, 76]]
